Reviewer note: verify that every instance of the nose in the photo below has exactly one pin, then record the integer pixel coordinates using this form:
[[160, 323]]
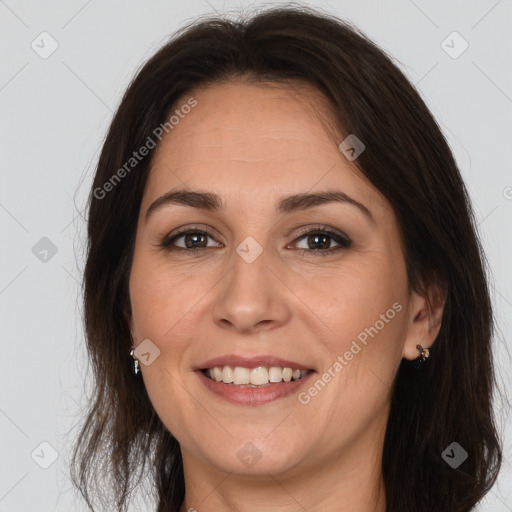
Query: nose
[[252, 296]]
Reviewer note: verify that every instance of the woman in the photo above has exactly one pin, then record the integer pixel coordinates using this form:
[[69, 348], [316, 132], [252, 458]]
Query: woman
[[281, 242]]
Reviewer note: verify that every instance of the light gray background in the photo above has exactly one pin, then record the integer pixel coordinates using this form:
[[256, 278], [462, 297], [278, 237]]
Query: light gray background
[[54, 114]]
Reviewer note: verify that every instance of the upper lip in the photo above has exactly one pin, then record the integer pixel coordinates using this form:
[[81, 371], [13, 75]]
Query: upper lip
[[251, 362]]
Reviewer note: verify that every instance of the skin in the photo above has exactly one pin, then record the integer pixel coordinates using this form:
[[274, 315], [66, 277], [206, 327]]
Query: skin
[[252, 144]]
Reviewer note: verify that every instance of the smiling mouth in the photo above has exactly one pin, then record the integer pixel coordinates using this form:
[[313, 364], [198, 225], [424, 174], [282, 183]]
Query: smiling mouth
[[259, 377]]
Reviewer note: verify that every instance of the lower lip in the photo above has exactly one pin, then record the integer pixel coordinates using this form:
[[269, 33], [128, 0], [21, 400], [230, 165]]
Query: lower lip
[[252, 396]]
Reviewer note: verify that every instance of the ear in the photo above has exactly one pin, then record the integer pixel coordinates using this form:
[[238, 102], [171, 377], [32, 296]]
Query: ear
[[425, 315]]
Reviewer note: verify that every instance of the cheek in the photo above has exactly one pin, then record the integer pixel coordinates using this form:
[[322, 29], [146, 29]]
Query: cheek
[[160, 302], [161, 298], [351, 301], [365, 310]]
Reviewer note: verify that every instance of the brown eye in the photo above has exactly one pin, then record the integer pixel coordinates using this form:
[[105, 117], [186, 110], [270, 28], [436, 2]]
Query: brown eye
[[318, 242], [192, 239]]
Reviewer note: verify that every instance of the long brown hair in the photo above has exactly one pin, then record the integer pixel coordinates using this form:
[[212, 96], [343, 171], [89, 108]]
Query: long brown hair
[[406, 158]]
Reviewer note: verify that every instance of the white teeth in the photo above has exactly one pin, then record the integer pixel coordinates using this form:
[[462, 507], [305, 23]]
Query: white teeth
[[217, 374], [241, 375], [227, 374], [259, 376], [275, 374]]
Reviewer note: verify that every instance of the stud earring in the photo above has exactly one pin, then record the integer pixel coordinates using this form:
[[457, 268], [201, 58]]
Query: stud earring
[[135, 364], [417, 363]]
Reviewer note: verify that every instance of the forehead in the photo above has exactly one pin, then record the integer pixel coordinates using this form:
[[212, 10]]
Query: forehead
[[255, 138]]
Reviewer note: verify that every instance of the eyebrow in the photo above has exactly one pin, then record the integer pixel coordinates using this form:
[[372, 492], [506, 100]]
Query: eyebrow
[[209, 201]]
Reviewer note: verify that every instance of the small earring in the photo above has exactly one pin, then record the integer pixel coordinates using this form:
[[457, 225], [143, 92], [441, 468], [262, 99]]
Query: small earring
[[417, 363], [135, 364]]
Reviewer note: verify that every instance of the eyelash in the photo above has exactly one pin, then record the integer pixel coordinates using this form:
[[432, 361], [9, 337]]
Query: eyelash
[[343, 240]]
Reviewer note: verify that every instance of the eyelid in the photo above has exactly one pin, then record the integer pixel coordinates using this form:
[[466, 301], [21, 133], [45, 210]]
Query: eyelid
[[179, 232], [339, 237], [343, 241], [206, 229], [203, 228], [324, 229]]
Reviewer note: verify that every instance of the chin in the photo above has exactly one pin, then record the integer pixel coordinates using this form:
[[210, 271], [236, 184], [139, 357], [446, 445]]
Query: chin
[[242, 456]]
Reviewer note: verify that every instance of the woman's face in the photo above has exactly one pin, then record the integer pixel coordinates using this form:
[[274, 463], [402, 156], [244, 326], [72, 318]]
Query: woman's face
[[253, 290]]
